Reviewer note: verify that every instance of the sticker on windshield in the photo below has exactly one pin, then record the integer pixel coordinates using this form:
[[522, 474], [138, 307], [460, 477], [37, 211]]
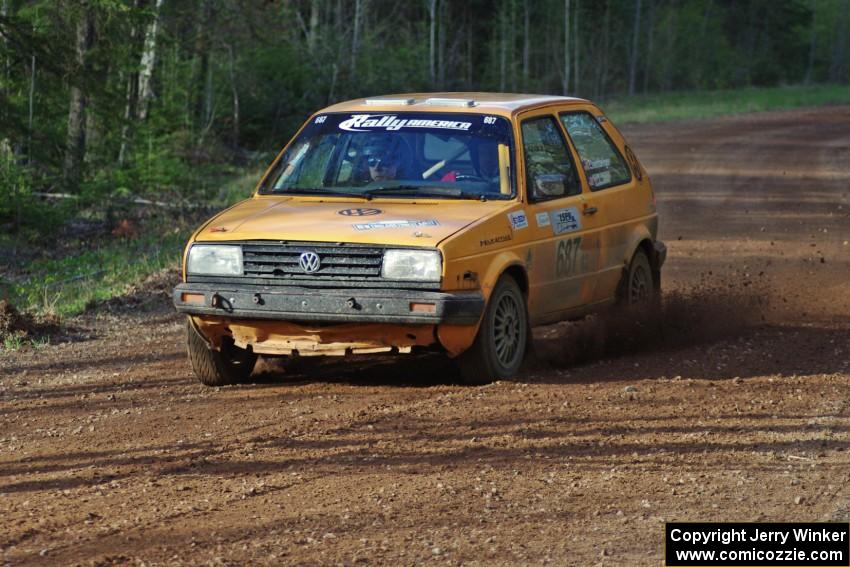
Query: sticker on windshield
[[365, 122], [542, 219], [395, 224], [518, 220], [565, 220]]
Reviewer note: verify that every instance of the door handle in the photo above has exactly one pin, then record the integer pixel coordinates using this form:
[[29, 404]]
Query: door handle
[[589, 211]]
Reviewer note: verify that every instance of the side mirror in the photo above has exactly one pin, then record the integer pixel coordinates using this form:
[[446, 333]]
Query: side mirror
[[549, 185]]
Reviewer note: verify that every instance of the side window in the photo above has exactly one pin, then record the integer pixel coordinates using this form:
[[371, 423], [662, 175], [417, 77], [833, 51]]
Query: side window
[[550, 173], [603, 165]]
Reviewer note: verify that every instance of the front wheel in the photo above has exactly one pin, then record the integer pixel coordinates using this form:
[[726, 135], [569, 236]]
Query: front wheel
[[500, 345], [228, 365]]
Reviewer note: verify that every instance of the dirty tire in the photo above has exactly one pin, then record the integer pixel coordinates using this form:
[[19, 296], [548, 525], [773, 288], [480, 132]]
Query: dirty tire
[[230, 365], [638, 286], [500, 345]]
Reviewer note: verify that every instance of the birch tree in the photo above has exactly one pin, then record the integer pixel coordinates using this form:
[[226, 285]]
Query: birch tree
[[147, 63]]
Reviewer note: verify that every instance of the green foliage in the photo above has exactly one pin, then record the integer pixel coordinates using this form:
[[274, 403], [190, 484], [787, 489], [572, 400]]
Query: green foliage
[[693, 105], [12, 342]]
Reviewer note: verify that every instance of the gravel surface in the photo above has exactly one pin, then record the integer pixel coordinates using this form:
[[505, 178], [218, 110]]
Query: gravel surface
[[734, 407]]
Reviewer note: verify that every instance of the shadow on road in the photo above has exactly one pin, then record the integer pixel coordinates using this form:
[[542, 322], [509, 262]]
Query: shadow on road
[[713, 331]]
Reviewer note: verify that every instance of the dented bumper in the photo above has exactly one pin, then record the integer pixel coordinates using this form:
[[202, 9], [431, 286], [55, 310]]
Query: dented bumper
[[285, 303]]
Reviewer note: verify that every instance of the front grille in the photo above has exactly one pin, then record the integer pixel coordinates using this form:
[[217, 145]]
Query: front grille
[[275, 263], [339, 262]]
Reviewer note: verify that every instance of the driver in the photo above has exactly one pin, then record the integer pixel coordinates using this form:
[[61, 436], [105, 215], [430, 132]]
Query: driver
[[384, 158]]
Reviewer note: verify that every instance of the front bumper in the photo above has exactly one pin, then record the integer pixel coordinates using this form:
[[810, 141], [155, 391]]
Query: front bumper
[[285, 303]]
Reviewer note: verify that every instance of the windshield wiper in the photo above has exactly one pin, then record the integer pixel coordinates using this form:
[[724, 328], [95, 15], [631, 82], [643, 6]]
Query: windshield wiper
[[425, 191], [324, 192]]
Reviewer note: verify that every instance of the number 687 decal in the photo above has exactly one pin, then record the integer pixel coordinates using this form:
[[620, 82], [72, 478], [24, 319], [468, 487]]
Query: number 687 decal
[[566, 256]]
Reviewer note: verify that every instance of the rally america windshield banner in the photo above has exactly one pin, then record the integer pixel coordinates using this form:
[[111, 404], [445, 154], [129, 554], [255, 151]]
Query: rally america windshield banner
[[477, 125]]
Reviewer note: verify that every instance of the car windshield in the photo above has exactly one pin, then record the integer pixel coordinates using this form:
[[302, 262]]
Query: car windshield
[[399, 154]]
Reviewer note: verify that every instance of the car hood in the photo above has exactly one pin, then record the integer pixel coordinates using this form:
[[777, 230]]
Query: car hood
[[406, 223]]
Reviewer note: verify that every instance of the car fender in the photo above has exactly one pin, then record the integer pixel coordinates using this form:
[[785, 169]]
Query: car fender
[[655, 250], [457, 338]]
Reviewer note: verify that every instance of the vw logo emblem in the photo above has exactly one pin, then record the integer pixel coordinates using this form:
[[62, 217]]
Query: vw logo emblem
[[359, 212], [309, 262]]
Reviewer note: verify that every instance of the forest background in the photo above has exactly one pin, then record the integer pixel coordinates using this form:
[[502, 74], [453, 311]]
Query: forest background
[[124, 122]]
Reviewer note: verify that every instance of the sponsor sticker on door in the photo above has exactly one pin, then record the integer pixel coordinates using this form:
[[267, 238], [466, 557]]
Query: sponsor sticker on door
[[542, 219], [566, 220], [518, 220]]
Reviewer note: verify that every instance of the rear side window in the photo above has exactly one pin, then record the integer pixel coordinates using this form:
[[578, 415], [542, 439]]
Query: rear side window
[[603, 165], [550, 173]]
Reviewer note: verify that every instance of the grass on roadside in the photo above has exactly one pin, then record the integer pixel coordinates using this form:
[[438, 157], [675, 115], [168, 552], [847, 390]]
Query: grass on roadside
[[707, 104], [65, 286]]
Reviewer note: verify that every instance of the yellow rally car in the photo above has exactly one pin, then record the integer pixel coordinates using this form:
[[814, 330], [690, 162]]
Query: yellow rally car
[[449, 222]]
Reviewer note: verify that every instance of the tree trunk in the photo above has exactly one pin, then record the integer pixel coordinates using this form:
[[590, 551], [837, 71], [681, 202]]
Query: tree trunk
[[129, 116], [634, 53], [566, 47], [669, 47], [813, 40], [75, 142], [650, 32], [7, 66], [432, 45], [147, 62], [132, 96], [355, 37], [606, 45], [838, 66], [235, 95], [526, 44], [469, 63], [441, 45], [503, 48], [315, 7], [201, 71], [31, 109], [575, 48], [512, 43]]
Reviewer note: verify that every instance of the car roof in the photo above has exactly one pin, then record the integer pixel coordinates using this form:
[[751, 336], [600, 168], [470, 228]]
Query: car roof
[[502, 103]]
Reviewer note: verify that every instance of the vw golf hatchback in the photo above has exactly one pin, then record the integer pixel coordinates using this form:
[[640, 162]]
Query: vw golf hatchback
[[450, 222]]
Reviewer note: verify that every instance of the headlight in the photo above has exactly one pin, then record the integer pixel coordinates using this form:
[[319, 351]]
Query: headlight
[[414, 265], [215, 260]]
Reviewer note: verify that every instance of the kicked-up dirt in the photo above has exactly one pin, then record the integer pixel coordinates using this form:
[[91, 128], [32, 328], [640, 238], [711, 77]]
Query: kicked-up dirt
[[734, 405]]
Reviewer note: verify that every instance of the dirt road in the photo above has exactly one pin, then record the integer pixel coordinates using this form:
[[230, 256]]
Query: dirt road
[[111, 454]]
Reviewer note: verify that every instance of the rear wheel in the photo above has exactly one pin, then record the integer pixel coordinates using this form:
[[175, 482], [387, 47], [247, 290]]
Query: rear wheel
[[638, 288], [500, 345], [228, 365]]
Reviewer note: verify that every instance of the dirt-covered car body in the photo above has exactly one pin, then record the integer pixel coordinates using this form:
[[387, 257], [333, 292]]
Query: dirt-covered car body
[[324, 259]]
